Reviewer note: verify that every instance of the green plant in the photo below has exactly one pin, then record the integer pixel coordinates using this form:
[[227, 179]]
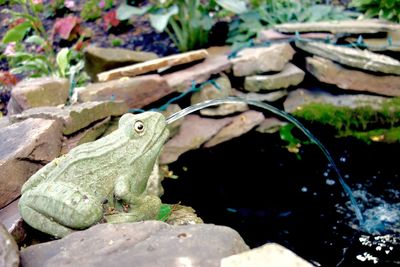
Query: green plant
[[384, 9], [117, 42], [268, 13], [28, 48], [187, 22], [93, 9]]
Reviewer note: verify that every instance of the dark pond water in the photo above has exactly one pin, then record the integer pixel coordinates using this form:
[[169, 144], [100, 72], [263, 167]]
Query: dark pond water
[[254, 185]]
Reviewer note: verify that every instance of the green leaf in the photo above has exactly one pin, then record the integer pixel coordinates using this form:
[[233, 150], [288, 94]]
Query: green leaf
[[125, 11], [17, 33], [165, 212], [159, 21], [235, 6], [62, 61], [35, 39]]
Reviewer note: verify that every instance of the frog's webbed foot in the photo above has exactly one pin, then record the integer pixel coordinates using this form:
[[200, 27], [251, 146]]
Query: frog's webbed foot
[[147, 209]]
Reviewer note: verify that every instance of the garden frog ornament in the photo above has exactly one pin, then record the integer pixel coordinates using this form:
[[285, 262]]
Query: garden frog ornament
[[100, 181]]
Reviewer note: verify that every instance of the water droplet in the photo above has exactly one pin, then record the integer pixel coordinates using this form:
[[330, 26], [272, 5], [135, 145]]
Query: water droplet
[[330, 182]]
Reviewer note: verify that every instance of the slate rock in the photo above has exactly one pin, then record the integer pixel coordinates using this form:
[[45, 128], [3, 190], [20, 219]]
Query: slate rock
[[353, 57], [99, 59], [241, 124], [328, 72], [271, 254], [291, 75], [13, 222], [343, 26], [193, 133], [38, 92], [270, 125], [216, 62], [9, 253], [269, 97], [137, 92], [152, 65], [149, 243], [75, 117], [25, 147], [250, 61]]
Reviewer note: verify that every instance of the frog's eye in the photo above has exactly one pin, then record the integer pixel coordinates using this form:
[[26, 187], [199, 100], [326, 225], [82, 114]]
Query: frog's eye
[[139, 126]]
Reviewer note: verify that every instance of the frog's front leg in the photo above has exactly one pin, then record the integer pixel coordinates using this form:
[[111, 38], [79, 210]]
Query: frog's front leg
[[140, 208]]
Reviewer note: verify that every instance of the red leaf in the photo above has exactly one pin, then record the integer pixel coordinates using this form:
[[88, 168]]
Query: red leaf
[[7, 79], [66, 26], [110, 20]]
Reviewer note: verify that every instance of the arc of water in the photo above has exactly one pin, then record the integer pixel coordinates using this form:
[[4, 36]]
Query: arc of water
[[288, 117]]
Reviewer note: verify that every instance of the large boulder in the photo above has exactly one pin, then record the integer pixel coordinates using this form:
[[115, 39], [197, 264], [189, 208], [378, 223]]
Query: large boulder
[[99, 59], [25, 147], [149, 243], [38, 92]]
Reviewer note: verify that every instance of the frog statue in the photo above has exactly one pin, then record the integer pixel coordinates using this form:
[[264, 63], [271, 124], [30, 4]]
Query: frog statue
[[100, 181]]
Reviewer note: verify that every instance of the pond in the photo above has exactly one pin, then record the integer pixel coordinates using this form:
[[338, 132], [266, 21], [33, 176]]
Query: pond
[[254, 185]]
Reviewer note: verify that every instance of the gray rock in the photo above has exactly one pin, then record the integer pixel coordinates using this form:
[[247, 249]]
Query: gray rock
[[273, 35], [25, 148], [222, 88], [193, 133], [344, 26], [271, 254], [12, 221], [216, 62], [301, 97], [75, 117], [224, 109], [99, 59], [152, 65], [9, 253], [241, 124], [30, 93], [4, 122], [269, 97], [357, 58], [328, 72], [270, 125], [150, 243], [137, 92], [250, 61], [289, 76]]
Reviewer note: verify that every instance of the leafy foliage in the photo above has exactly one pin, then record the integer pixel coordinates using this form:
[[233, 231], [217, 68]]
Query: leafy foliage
[[272, 12], [384, 9], [187, 22], [93, 9]]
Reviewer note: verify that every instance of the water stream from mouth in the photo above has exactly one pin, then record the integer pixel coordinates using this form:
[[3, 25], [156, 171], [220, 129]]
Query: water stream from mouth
[[214, 102]]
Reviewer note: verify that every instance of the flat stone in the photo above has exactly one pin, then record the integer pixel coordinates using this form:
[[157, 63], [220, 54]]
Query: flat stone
[[270, 125], [289, 76], [273, 35], [241, 124], [193, 133], [215, 63], [86, 135], [269, 97], [299, 98], [25, 147], [381, 44], [75, 117], [224, 109], [250, 61], [362, 59], [13, 222], [271, 254], [328, 72], [99, 59], [137, 92], [30, 93], [152, 65], [4, 122], [221, 88], [142, 244], [9, 252], [342, 26]]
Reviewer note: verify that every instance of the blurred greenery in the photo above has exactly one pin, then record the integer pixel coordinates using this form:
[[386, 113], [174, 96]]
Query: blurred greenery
[[383, 9]]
